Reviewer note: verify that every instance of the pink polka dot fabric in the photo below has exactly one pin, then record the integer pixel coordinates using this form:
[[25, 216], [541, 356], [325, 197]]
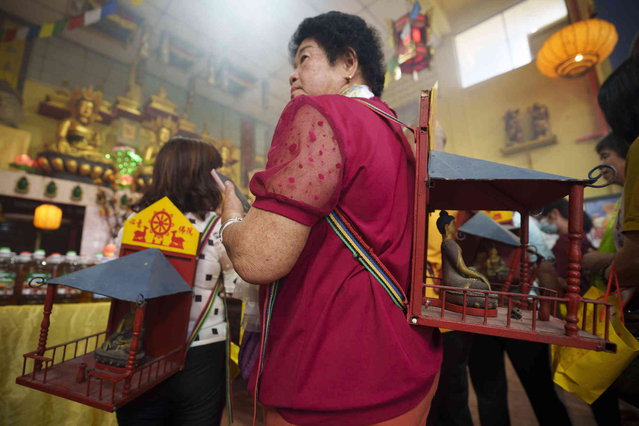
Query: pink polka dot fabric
[[305, 162]]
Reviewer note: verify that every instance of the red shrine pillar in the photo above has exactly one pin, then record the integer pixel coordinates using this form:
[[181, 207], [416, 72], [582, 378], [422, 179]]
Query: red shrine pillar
[[133, 349], [575, 226], [46, 322], [523, 265]]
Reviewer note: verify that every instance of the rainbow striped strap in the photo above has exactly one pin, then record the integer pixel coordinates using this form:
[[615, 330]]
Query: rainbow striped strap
[[205, 312], [206, 233], [229, 380], [365, 255], [386, 115], [269, 302], [204, 236]]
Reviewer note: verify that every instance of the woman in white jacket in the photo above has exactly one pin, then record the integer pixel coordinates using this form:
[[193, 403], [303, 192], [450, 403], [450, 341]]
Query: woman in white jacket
[[195, 395]]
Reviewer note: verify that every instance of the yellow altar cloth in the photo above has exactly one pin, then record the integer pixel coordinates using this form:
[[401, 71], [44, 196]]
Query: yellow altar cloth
[[19, 333]]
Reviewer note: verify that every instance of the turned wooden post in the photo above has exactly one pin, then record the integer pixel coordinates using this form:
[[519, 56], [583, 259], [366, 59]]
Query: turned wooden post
[[44, 326], [133, 350], [575, 224], [523, 265]]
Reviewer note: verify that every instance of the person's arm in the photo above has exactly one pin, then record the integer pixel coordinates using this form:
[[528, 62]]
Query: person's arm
[[594, 262], [627, 261], [264, 246], [548, 277]]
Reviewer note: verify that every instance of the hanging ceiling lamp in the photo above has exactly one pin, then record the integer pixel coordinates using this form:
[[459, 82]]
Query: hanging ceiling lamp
[[575, 49]]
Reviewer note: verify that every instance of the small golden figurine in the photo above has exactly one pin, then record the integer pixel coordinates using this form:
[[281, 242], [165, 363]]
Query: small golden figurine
[[76, 151], [76, 136], [455, 273], [163, 129]]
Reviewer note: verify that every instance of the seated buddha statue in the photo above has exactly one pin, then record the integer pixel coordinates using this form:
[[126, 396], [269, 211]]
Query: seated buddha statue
[[229, 167], [76, 135], [163, 129], [455, 273]]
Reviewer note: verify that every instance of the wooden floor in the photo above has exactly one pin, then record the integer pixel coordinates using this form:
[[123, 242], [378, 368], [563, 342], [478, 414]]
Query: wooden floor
[[580, 413]]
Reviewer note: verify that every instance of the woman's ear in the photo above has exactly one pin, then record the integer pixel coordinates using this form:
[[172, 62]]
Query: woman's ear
[[349, 58]]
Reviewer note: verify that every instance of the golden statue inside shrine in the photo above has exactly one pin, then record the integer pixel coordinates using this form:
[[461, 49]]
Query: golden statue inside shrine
[[76, 135], [230, 166], [76, 150], [163, 129]]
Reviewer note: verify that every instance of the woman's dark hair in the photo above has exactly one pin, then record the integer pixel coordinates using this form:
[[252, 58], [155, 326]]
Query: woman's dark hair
[[619, 100], [337, 31], [563, 208], [443, 221], [613, 143], [182, 173]]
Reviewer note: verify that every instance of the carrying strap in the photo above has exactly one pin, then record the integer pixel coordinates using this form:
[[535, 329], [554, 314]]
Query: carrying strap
[[613, 273], [206, 233], [342, 226], [208, 307], [269, 302], [387, 115], [364, 254]]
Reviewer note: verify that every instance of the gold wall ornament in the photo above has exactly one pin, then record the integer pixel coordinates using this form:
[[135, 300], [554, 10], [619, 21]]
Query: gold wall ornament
[[575, 49], [61, 97], [160, 102]]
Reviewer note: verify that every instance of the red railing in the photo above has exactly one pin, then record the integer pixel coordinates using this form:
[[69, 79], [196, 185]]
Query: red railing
[[510, 300], [163, 367], [48, 358]]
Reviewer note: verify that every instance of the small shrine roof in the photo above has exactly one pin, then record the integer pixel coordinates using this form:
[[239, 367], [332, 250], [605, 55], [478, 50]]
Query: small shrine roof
[[481, 225], [147, 273], [459, 182]]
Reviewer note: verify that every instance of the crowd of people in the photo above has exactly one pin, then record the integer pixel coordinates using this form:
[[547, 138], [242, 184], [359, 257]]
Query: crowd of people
[[339, 350]]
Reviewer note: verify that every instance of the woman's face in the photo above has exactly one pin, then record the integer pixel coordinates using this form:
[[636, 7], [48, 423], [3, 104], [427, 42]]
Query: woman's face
[[313, 74], [611, 158]]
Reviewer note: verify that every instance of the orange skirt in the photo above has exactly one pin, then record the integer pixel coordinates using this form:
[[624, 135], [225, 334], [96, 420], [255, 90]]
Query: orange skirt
[[415, 417]]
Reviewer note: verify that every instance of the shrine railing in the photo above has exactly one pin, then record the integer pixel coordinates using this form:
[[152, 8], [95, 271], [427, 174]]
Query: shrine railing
[[533, 314], [141, 377], [48, 359]]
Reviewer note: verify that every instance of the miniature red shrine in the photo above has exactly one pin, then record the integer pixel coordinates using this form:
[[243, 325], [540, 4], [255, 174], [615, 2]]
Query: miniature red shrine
[[447, 181], [152, 278]]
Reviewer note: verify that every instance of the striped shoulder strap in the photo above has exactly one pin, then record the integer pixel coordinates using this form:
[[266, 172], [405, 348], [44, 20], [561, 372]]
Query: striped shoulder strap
[[204, 237], [341, 224], [386, 115]]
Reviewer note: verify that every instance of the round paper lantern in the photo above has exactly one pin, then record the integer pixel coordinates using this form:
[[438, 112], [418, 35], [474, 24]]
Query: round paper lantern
[[47, 216], [575, 49]]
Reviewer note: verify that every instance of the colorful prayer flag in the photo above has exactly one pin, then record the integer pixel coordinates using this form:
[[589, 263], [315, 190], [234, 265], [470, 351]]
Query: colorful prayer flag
[[22, 33], [60, 26], [9, 35], [52, 28], [46, 30], [33, 32], [75, 22], [92, 16], [108, 9]]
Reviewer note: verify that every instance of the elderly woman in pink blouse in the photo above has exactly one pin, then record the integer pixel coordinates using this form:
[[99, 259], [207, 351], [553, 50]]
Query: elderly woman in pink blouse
[[339, 350]]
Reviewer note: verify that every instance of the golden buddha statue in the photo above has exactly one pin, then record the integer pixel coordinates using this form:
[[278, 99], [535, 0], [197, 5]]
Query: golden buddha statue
[[455, 273], [229, 168], [163, 129], [76, 152], [76, 136]]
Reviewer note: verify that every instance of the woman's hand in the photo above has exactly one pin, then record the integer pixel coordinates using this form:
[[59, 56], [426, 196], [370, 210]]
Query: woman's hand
[[232, 206]]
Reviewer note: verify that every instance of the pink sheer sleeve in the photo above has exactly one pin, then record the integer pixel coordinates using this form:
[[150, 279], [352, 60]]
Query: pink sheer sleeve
[[304, 167]]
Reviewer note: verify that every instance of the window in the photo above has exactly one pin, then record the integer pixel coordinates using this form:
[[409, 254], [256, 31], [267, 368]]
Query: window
[[500, 43]]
